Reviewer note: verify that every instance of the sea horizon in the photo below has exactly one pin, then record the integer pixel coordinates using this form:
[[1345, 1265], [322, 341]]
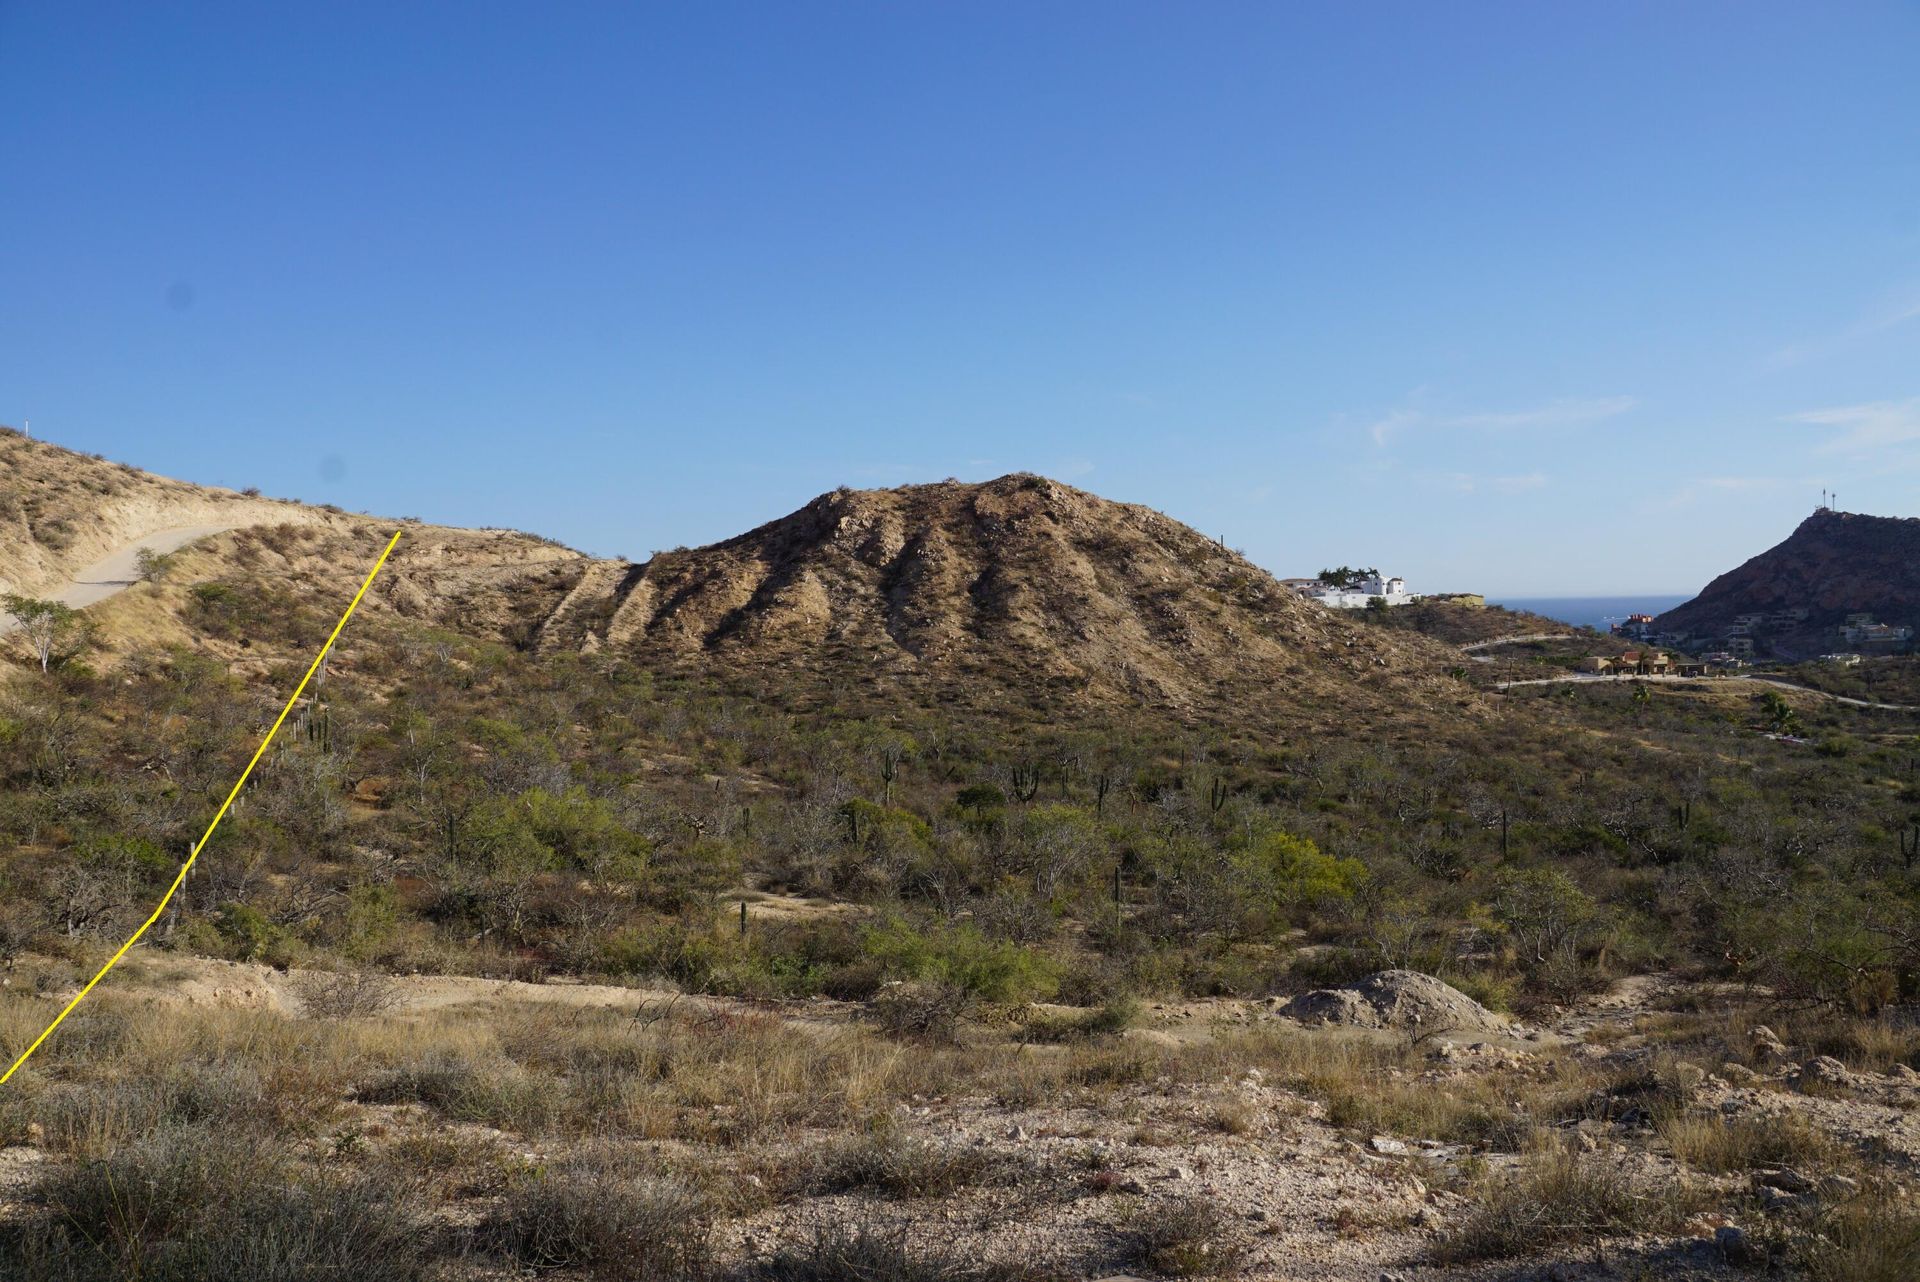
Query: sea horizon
[[1599, 612]]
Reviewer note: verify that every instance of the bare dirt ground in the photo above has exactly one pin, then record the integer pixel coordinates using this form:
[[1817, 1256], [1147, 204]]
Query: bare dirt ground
[[1307, 1186]]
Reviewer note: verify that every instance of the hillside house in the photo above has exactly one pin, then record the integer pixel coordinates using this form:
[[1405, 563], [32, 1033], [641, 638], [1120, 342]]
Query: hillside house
[[1645, 663], [1373, 587], [1638, 627], [1862, 631]]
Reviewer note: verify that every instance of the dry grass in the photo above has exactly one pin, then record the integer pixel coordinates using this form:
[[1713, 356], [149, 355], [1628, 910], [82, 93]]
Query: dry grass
[[194, 1204], [297, 1114], [603, 1218], [1722, 1145], [1557, 1198], [1871, 1238]]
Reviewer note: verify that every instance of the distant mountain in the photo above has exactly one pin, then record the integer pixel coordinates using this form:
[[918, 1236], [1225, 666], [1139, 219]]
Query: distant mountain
[[1835, 564]]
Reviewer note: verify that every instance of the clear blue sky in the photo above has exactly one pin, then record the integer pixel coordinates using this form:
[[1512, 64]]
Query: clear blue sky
[[1533, 298]]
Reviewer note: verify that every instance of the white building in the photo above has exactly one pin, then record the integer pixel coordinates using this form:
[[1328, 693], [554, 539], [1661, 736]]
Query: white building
[[1374, 587]]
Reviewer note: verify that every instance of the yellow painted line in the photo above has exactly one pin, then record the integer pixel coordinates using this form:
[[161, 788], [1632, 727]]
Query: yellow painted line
[[194, 854]]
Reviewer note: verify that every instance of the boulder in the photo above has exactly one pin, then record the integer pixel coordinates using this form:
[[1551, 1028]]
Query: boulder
[[1822, 1070], [1735, 1245], [1767, 1045], [1404, 999]]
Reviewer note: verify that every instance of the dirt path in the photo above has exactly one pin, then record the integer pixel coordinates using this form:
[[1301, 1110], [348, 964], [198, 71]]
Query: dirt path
[[1516, 640], [1589, 678], [119, 570]]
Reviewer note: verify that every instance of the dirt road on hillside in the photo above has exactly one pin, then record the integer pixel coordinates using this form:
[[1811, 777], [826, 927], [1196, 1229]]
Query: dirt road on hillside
[[119, 570]]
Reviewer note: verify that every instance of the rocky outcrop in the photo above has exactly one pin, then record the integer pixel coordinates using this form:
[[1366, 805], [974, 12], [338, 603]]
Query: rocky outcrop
[[1403, 999], [1833, 565]]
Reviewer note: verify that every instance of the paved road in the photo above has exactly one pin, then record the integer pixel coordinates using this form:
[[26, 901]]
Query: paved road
[[120, 570], [1587, 678]]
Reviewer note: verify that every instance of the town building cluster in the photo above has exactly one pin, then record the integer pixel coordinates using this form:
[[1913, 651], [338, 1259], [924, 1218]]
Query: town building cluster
[[1749, 634]]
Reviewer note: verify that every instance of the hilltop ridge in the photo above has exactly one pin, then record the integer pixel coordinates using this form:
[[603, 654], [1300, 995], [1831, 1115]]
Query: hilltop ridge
[[1015, 591], [1015, 582]]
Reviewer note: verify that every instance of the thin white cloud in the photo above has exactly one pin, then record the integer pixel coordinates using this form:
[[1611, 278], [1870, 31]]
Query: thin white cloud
[[1876, 323], [1861, 429], [1565, 412]]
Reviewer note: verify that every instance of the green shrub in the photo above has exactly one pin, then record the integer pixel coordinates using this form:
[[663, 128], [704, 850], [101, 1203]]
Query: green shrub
[[960, 956]]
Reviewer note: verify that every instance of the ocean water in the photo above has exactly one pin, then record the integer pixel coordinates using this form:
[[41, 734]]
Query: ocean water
[[1591, 611]]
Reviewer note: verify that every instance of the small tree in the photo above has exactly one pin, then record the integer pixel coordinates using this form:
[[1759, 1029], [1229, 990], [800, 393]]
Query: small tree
[[47, 625], [151, 566], [1348, 577], [1781, 718]]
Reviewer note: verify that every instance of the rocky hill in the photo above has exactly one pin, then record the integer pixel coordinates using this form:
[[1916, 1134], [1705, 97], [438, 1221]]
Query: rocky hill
[[1020, 585], [1833, 565], [1019, 593]]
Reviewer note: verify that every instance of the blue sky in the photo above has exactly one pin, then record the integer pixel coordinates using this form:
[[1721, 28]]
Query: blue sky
[[1535, 299]]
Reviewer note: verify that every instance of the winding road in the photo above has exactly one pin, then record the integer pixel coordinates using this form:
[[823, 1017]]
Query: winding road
[[119, 570], [1516, 640], [1587, 678]]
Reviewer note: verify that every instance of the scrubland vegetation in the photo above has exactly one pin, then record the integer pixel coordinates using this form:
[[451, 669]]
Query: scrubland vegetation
[[447, 805], [826, 982]]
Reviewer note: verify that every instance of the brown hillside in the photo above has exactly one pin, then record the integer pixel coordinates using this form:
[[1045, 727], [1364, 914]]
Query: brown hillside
[[1016, 586], [61, 511], [1020, 593], [1834, 564]]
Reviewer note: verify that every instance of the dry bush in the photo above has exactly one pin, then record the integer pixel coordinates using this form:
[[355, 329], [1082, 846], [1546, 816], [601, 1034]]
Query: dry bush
[[605, 1220], [870, 1252], [900, 1166], [1556, 1198], [1106, 1020], [1182, 1237], [199, 1205], [347, 994], [928, 1011]]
